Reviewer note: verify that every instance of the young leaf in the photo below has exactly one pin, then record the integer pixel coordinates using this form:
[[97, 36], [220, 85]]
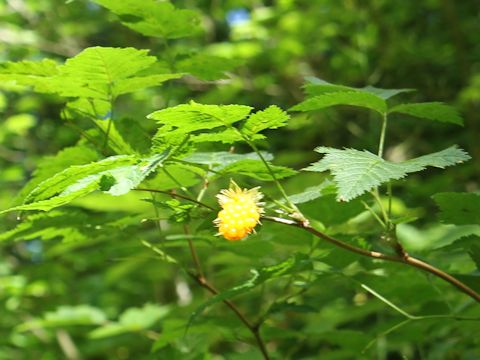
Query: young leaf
[[432, 111], [458, 208], [271, 118], [153, 18], [356, 172], [352, 98]]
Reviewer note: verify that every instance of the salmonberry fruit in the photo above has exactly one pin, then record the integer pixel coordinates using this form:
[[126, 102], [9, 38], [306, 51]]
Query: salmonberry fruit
[[241, 211]]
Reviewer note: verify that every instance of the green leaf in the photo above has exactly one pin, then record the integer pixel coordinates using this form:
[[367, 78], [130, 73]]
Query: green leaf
[[436, 111], [316, 86], [50, 165], [36, 74], [207, 67], [310, 193], [118, 174], [95, 73], [108, 72], [256, 169], [228, 136], [458, 208], [352, 98], [356, 172], [125, 86], [185, 119], [66, 316], [294, 264], [132, 320], [48, 226], [153, 18], [193, 116], [271, 118], [384, 93]]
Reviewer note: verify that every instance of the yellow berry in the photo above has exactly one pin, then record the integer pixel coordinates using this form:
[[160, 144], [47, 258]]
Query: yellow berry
[[241, 211]]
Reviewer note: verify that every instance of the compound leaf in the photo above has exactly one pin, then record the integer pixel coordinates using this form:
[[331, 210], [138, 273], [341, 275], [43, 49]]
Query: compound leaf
[[356, 172], [115, 175]]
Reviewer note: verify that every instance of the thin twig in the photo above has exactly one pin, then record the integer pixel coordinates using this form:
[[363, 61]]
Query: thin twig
[[175, 195], [254, 329], [405, 258]]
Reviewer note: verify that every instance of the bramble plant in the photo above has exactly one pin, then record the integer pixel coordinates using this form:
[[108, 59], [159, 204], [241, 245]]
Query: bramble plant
[[150, 192]]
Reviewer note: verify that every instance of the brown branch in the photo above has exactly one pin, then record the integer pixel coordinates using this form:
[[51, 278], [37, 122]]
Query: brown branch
[[254, 329], [405, 259]]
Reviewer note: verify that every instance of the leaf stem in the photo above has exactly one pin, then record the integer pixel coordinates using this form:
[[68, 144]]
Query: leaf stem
[[374, 214], [175, 195], [382, 135]]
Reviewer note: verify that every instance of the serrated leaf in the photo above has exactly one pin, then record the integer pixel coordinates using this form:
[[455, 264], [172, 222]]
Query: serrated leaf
[[193, 116], [50, 165], [95, 73], [271, 118], [384, 93], [458, 208], [123, 173], [294, 264], [48, 226], [352, 98], [207, 67], [256, 169], [185, 119], [436, 111], [316, 86], [108, 72], [356, 172], [153, 18], [228, 136], [37, 74]]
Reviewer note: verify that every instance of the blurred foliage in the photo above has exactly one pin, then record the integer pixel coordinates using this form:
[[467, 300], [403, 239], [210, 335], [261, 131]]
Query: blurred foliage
[[95, 279]]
